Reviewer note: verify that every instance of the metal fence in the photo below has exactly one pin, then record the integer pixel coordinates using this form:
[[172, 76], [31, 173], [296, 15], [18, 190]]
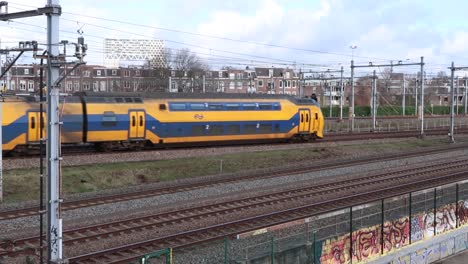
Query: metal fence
[[335, 125]]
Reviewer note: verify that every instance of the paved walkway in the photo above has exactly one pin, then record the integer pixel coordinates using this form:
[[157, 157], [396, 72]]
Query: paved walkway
[[461, 258]]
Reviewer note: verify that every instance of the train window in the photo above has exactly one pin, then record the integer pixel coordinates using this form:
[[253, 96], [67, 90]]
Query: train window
[[141, 121], [215, 106], [307, 117], [128, 100], [233, 129], [197, 106], [109, 119], [216, 130], [133, 121], [232, 106], [277, 128], [264, 128], [137, 100], [119, 100], [178, 106], [162, 107], [249, 106], [316, 116], [276, 107], [198, 130], [250, 129], [265, 106], [33, 122], [302, 118]]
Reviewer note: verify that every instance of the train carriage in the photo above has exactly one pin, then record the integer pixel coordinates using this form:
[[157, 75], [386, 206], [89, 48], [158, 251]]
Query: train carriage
[[126, 120], [21, 122]]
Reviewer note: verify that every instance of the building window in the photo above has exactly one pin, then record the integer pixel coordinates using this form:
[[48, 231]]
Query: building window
[[72, 73], [127, 73], [22, 85], [26, 71], [270, 73], [220, 74], [126, 84], [173, 73], [98, 72], [231, 85], [76, 86], [69, 86], [240, 76], [281, 84], [239, 85], [294, 83], [232, 76], [289, 84], [31, 86], [137, 73], [114, 72], [260, 83], [95, 86], [85, 86], [86, 73]]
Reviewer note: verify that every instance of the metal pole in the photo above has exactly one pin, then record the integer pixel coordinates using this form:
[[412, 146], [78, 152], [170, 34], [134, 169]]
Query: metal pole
[[374, 85], [226, 247], [466, 94], [382, 218], [53, 136], [170, 84], [351, 108], [272, 250], [410, 215], [416, 97], [330, 96], [422, 96], [203, 83], [341, 94], [456, 94], [314, 246], [403, 101], [452, 94], [435, 211]]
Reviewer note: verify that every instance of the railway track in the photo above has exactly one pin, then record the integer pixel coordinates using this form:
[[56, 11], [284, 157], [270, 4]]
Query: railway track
[[285, 198], [70, 205], [127, 253]]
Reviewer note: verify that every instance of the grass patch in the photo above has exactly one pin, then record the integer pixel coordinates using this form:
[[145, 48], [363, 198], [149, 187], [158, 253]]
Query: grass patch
[[22, 184]]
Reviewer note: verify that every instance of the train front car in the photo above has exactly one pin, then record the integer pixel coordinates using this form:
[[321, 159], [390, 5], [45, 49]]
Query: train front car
[[21, 122], [190, 118]]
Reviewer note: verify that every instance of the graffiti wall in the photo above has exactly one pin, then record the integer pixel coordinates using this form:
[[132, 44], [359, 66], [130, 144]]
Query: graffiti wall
[[366, 242]]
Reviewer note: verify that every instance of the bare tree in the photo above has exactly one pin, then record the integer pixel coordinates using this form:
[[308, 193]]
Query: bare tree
[[189, 68]]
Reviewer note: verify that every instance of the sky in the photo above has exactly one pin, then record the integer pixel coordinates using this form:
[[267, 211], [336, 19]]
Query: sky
[[311, 35]]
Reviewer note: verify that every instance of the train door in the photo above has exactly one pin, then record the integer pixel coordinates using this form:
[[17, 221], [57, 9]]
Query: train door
[[137, 124], [304, 120], [34, 126]]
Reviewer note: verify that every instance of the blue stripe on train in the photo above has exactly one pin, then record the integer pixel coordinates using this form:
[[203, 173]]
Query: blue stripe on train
[[13, 130], [73, 123]]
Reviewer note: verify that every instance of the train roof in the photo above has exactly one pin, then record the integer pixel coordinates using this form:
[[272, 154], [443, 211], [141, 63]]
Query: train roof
[[161, 95]]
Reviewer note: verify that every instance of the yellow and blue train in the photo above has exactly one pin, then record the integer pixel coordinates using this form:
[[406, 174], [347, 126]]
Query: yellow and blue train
[[126, 120]]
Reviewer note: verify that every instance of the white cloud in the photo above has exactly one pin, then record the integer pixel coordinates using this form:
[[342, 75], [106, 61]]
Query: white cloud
[[457, 43]]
